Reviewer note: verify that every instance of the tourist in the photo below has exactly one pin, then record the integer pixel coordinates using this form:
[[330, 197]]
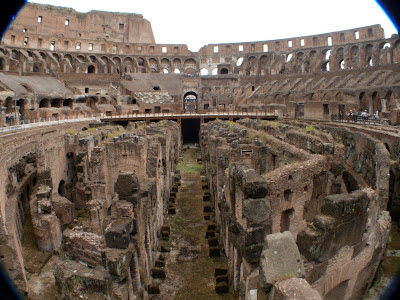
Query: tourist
[[364, 116], [376, 116], [355, 115]]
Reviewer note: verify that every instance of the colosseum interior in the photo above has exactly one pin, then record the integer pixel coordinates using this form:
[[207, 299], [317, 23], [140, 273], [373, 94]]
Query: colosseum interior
[[137, 170]]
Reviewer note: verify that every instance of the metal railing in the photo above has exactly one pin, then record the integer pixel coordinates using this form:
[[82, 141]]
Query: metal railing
[[186, 114], [43, 122], [52, 121]]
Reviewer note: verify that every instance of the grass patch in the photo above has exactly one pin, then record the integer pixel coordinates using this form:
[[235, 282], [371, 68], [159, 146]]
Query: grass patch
[[189, 168], [309, 129]]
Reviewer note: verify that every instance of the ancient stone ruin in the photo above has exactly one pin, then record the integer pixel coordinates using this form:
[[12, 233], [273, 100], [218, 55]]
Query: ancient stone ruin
[[136, 170]]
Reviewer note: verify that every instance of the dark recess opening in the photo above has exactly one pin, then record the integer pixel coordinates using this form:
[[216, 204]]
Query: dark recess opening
[[350, 182], [190, 130]]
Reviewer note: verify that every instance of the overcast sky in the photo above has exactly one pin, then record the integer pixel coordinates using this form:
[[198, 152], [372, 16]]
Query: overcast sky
[[198, 23]]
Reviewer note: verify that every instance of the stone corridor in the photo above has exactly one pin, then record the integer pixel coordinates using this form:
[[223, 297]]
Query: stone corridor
[[190, 271]]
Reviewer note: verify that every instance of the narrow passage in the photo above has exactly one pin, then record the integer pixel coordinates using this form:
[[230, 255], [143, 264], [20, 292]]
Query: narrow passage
[[190, 271]]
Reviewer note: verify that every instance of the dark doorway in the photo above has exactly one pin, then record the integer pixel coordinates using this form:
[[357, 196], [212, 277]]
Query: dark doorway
[[190, 130], [286, 218]]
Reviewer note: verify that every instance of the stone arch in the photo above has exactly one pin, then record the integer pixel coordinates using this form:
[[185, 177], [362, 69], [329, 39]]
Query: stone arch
[[91, 69], [8, 104], [339, 97], [327, 96], [204, 72], [251, 65], [44, 103], [2, 64], [80, 59], [396, 51], [56, 103], [224, 71], [355, 56], [117, 62], [369, 50], [68, 103], [388, 101], [375, 103], [324, 66], [265, 64], [128, 63], [106, 63], [21, 103], [190, 66], [91, 102], [177, 62], [190, 101], [363, 101], [68, 62], [92, 59], [384, 53], [153, 65], [166, 64]]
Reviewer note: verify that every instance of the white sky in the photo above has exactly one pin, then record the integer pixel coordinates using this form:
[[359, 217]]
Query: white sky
[[202, 22]]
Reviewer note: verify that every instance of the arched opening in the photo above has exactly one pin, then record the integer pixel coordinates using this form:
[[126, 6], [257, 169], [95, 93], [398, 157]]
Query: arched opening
[[328, 55], [176, 71], [21, 104], [91, 102], [363, 101], [61, 188], [68, 102], [204, 72], [2, 64], [214, 71], [376, 102], [239, 61], [325, 66], [44, 103], [91, 69], [341, 65], [224, 71], [190, 102], [350, 182], [56, 103], [134, 101]]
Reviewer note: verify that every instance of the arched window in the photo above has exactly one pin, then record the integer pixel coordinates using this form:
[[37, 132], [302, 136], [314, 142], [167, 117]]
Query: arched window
[[204, 72], [91, 69], [224, 71]]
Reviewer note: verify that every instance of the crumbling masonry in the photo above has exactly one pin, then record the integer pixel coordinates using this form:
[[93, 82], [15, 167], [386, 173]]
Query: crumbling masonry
[[303, 204]]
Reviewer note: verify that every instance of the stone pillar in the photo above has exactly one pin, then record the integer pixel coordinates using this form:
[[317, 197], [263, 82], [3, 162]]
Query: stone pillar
[[2, 116]]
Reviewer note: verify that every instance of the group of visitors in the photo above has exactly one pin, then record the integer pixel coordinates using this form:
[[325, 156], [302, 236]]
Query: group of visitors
[[356, 116], [9, 118]]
